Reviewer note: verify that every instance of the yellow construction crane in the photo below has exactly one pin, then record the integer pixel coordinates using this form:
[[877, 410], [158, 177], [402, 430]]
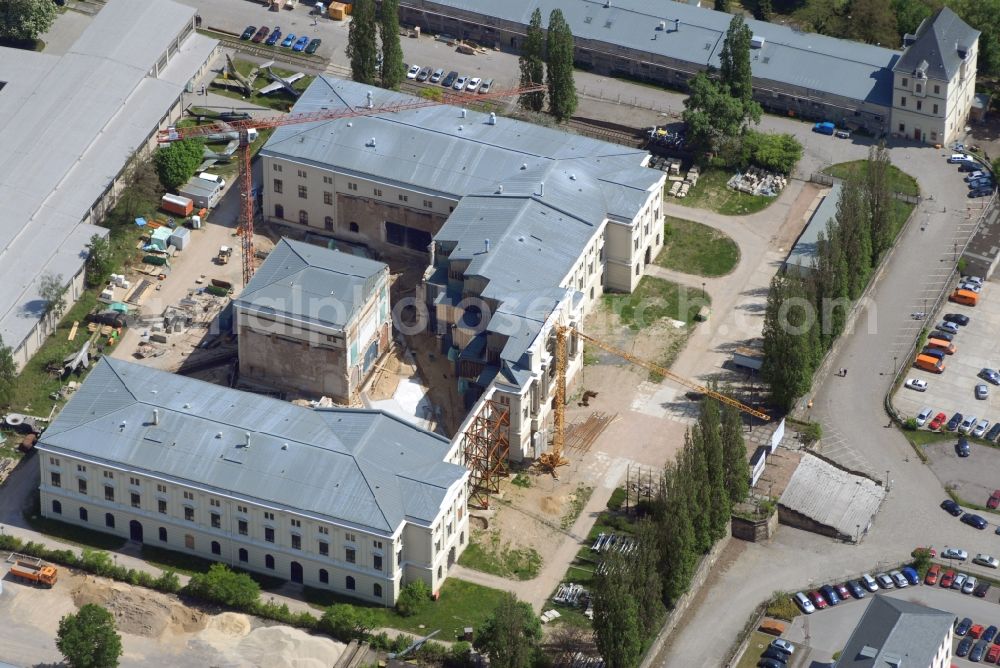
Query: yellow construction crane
[[554, 458]]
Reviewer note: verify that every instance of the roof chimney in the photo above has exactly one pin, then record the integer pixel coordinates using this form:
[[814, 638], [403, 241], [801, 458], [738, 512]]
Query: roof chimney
[[371, 103], [541, 189], [493, 118], [371, 142], [156, 416], [607, 3], [487, 245], [677, 25], [246, 436], [500, 189], [662, 26]]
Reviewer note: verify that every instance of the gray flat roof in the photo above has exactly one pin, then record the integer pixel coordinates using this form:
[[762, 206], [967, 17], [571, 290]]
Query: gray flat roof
[[804, 253], [68, 125], [895, 633], [359, 467], [851, 69], [310, 284]]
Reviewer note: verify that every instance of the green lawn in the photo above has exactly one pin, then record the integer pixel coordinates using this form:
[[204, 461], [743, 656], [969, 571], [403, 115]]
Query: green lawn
[[758, 643], [654, 299], [922, 437], [711, 193], [279, 100], [899, 181], [488, 553], [697, 249]]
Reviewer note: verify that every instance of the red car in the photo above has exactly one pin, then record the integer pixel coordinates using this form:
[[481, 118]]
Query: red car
[[261, 34], [993, 655], [938, 420], [818, 600], [933, 573], [994, 499], [977, 631], [947, 579]]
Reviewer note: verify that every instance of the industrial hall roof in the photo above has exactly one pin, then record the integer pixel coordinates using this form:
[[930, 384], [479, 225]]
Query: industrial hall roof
[[68, 126], [361, 468], [310, 284]]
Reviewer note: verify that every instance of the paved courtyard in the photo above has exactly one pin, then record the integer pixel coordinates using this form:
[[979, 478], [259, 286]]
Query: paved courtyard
[[973, 478]]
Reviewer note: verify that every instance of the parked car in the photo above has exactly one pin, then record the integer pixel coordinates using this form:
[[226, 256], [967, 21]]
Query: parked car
[[486, 86], [980, 429], [460, 83], [830, 594], [884, 581], [955, 553], [776, 654], [938, 420], [289, 40], [827, 128], [436, 75], [818, 600], [274, 36], [976, 631], [916, 384], [910, 574], [424, 74], [261, 35], [955, 510], [981, 589], [413, 72], [987, 560], [958, 318], [314, 46], [994, 499], [970, 165], [985, 191], [450, 79], [943, 336], [959, 157], [978, 651], [771, 663], [857, 591], [933, 574], [971, 287], [962, 447], [967, 424], [842, 591], [974, 520], [948, 579], [869, 582], [969, 585], [899, 579], [991, 631], [804, 603], [963, 648], [981, 182], [955, 420], [975, 175], [301, 43], [949, 327], [923, 416], [990, 376], [959, 582], [963, 627], [842, 134], [249, 32], [473, 84], [993, 655]]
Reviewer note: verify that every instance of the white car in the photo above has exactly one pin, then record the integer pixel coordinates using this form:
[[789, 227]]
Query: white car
[[460, 83], [869, 582], [956, 553], [970, 584], [916, 384], [804, 603], [971, 287], [413, 72], [899, 579], [973, 279], [981, 428], [923, 416], [986, 560], [783, 645], [967, 424], [960, 157], [975, 175], [485, 86], [437, 75], [473, 84]]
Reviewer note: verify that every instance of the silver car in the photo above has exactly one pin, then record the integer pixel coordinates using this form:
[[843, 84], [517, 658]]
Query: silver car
[[485, 86], [899, 579], [884, 581], [982, 392], [460, 83], [959, 581], [970, 585], [981, 428], [437, 75]]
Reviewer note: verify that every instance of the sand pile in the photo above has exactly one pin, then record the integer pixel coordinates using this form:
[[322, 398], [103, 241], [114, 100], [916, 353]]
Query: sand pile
[[232, 636], [138, 611]]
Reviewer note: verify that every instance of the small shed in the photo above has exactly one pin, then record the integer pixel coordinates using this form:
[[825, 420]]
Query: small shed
[[204, 193], [160, 238], [338, 11], [179, 237]]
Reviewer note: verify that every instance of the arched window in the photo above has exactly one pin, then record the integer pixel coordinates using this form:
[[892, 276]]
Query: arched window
[[328, 223], [216, 548], [268, 561], [349, 583], [163, 534], [324, 577], [244, 557], [109, 520], [353, 227], [279, 211], [83, 513], [377, 590], [303, 217], [56, 507]]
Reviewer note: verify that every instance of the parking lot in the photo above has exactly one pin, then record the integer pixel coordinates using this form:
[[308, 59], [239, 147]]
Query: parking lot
[[826, 632], [972, 478]]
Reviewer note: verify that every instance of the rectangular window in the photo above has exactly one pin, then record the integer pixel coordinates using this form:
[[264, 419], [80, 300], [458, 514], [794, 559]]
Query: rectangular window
[[327, 179], [902, 127], [302, 173], [919, 88], [161, 506], [241, 509], [352, 186], [81, 468], [906, 82], [377, 544], [134, 482], [428, 204], [269, 534], [136, 500], [323, 530], [216, 521], [296, 541], [937, 89], [399, 558], [294, 522], [56, 479], [109, 493], [920, 104], [161, 488], [268, 516], [327, 197], [189, 513], [324, 548], [54, 461], [279, 186], [189, 496], [404, 198], [81, 486], [303, 192], [378, 192], [109, 475], [377, 562], [902, 101], [243, 527], [349, 537], [215, 502], [935, 108], [349, 555], [189, 541], [276, 167]]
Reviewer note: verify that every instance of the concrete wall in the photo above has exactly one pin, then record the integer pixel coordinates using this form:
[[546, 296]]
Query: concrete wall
[[754, 531], [800, 521]]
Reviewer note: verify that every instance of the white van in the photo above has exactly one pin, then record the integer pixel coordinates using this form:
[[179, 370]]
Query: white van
[[214, 178]]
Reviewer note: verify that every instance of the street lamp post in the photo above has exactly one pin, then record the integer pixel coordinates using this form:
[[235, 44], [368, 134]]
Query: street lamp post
[[894, 358]]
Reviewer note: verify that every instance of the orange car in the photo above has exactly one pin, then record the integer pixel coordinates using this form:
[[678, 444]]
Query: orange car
[[932, 574], [977, 631]]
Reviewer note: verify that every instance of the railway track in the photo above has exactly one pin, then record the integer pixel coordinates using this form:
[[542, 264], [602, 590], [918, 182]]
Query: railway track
[[307, 64]]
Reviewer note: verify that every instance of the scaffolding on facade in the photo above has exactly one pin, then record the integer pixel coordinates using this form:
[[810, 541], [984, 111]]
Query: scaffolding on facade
[[487, 446]]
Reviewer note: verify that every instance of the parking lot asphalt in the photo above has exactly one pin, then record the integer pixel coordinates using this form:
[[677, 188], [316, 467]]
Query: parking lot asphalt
[[827, 631], [972, 478]]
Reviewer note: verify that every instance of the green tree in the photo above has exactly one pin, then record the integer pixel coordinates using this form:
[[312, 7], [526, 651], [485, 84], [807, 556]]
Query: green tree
[[853, 231], [222, 585], [178, 161], [24, 20], [88, 639], [678, 549], [774, 152], [617, 626], [52, 291], [719, 508], [392, 53], [984, 16], [532, 63], [362, 43], [347, 622], [100, 261], [646, 585], [878, 197], [510, 635], [722, 5], [710, 112], [909, 14], [735, 74], [763, 10], [8, 375], [694, 474], [736, 464], [873, 21], [559, 67], [788, 355], [413, 598]]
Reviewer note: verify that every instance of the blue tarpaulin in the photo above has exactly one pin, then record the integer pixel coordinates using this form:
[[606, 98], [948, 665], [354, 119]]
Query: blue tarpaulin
[[141, 222]]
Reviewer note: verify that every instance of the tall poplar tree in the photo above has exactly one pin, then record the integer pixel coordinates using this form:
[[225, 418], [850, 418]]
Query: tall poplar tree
[[617, 626], [734, 454], [678, 551], [879, 199], [559, 67], [735, 74], [362, 43], [710, 427], [392, 53], [532, 63]]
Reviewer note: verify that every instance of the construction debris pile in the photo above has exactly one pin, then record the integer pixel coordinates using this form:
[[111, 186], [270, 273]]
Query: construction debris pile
[[681, 186], [574, 595], [756, 181], [667, 138]]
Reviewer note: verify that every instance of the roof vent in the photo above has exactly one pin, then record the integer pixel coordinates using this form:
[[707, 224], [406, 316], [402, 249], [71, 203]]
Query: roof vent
[[493, 118], [524, 166], [756, 42], [662, 25], [572, 177], [122, 425], [218, 434], [500, 189], [461, 127], [541, 189], [156, 416], [246, 441], [349, 124], [371, 102], [464, 113], [487, 245], [909, 39], [284, 446], [607, 3], [370, 143]]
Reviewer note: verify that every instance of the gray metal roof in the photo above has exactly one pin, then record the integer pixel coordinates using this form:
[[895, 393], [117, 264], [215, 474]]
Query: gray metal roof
[[67, 127], [363, 468], [894, 633], [311, 284], [434, 149], [804, 253], [841, 67], [938, 40], [831, 496]]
